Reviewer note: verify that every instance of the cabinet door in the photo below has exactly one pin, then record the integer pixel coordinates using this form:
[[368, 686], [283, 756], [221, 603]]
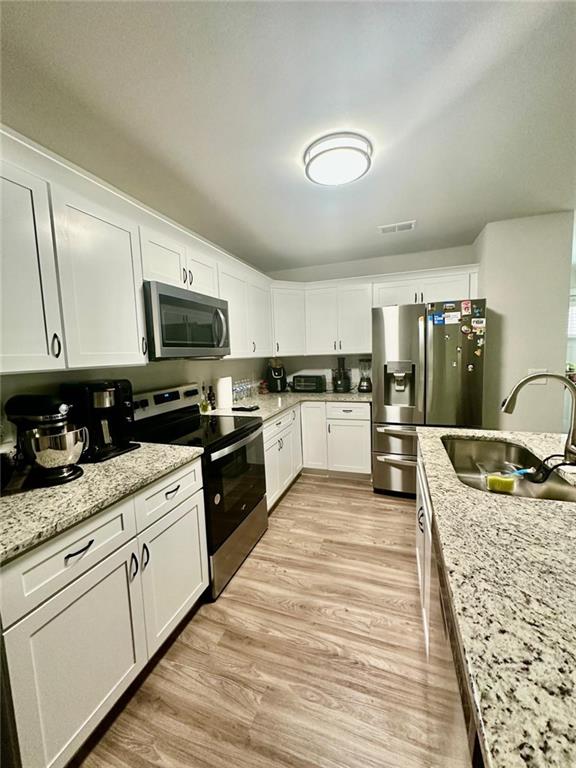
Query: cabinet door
[[202, 270], [321, 321], [445, 287], [233, 290], [101, 281], [289, 321], [163, 258], [314, 448], [70, 659], [355, 318], [286, 460], [349, 446], [297, 440], [396, 292], [30, 327], [272, 469], [174, 564], [259, 321]]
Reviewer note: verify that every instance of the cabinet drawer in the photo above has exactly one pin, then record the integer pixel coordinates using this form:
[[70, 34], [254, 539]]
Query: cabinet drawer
[[274, 426], [394, 439], [160, 497], [348, 411], [34, 577]]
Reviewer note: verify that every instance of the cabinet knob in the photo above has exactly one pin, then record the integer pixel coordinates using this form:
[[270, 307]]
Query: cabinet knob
[[56, 345]]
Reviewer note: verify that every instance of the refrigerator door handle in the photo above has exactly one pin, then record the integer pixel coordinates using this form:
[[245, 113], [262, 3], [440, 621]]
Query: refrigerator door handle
[[422, 365], [387, 458]]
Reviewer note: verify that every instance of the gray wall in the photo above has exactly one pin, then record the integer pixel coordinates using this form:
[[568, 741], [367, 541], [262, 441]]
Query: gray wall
[[525, 269], [446, 257]]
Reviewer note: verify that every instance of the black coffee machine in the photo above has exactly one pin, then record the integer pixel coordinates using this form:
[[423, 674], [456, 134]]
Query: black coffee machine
[[106, 409], [48, 444], [276, 376], [341, 379]]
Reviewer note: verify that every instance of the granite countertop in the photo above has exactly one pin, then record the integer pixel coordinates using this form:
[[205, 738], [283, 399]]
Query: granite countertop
[[271, 405], [31, 517], [511, 570]]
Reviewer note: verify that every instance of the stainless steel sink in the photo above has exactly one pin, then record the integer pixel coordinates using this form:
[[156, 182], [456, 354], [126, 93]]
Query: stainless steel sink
[[496, 456]]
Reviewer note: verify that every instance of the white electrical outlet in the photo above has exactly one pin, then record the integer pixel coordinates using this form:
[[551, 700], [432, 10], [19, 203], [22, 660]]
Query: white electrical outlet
[[538, 382]]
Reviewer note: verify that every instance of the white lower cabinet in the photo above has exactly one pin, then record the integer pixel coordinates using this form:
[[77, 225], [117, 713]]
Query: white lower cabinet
[[297, 440], [314, 447], [72, 658], [349, 446], [172, 580], [282, 454]]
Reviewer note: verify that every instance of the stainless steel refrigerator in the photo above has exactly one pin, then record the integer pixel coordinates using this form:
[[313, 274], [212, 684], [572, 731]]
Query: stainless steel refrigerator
[[427, 368]]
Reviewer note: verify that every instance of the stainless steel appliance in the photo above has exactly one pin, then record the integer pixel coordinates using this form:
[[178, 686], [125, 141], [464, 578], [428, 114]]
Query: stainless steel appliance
[[48, 445], [105, 408], [182, 323], [428, 367], [365, 383], [308, 383], [276, 376], [341, 377], [232, 470]]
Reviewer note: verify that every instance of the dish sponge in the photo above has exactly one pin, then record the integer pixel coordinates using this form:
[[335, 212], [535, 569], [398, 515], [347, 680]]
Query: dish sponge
[[501, 483]]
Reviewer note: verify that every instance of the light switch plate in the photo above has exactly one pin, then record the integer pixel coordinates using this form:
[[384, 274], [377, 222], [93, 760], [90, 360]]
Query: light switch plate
[[540, 382]]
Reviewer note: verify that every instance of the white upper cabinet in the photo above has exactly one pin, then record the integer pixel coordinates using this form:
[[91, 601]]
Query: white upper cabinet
[[202, 269], [30, 326], [424, 287], [446, 287], [354, 318], [321, 321], [163, 259], [233, 290], [289, 313], [101, 282], [259, 320], [338, 319], [396, 292]]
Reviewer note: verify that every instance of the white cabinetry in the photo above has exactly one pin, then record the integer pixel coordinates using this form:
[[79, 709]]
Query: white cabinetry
[[259, 320], [174, 564], [423, 546], [249, 314], [424, 287], [297, 440], [338, 319], [282, 453], [202, 268], [233, 290], [101, 282], [314, 447], [289, 314], [70, 659], [30, 326], [348, 437]]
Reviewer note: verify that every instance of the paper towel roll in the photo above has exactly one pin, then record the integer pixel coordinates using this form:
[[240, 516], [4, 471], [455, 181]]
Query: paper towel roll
[[224, 392]]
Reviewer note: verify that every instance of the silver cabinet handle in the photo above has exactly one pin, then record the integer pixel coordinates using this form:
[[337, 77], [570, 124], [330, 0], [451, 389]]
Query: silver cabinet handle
[[144, 345], [253, 346], [190, 277], [421, 298], [279, 445], [346, 410], [388, 459], [277, 347], [78, 552], [329, 430], [415, 297], [293, 415], [56, 345], [334, 345], [184, 275], [340, 345]]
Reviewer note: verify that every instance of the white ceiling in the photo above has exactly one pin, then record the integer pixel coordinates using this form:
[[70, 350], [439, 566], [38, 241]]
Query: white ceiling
[[203, 110]]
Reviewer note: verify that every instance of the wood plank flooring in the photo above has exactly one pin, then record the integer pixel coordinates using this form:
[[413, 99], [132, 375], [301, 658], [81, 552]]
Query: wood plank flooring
[[313, 656]]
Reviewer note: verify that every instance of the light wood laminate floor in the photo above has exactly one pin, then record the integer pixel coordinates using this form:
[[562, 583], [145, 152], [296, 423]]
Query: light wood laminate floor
[[313, 656]]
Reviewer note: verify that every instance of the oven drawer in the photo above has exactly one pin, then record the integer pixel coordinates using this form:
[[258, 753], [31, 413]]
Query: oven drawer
[[37, 575], [274, 426], [160, 497], [394, 472], [358, 411], [387, 438]]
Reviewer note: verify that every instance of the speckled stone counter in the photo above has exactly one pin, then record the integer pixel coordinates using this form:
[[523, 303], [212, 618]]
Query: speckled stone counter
[[31, 517], [271, 405], [511, 571]]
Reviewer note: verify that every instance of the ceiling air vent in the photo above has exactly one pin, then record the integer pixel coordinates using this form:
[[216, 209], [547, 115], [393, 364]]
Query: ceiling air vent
[[400, 226]]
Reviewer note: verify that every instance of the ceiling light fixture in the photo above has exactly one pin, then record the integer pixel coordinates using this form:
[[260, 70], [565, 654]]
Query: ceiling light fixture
[[338, 158]]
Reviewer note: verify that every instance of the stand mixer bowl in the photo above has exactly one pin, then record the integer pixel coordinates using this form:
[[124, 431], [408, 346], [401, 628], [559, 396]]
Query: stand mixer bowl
[[54, 450]]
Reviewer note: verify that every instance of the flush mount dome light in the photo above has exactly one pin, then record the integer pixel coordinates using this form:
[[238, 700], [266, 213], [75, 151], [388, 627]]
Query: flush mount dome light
[[338, 158]]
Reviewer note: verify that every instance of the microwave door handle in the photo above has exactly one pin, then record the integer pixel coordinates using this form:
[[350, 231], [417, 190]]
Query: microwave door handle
[[234, 447], [222, 317]]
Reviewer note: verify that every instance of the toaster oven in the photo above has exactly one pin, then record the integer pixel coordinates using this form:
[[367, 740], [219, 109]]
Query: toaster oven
[[308, 383]]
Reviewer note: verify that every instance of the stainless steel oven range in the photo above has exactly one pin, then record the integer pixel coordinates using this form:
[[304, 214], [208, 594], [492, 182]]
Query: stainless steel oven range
[[232, 468]]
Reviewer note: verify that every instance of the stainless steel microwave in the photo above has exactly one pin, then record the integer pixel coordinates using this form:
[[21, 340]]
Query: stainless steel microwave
[[181, 323]]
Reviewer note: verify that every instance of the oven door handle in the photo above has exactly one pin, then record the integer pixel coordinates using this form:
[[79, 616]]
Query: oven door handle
[[234, 447]]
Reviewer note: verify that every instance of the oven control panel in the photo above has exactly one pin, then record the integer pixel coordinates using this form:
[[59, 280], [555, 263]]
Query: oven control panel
[[160, 401]]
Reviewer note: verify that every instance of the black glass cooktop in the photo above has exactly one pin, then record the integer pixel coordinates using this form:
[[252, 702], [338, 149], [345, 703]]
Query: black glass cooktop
[[204, 430]]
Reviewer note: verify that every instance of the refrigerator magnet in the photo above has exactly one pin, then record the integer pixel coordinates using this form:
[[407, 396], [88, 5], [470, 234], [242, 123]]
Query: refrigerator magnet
[[466, 307], [466, 329], [478, 352], [451, 318], [449, 306], [438, 318], [480, 341], [478, 322]]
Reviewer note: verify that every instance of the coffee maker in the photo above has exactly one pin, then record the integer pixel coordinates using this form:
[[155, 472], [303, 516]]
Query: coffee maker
[[341, 379], [48, 445], [106, 408]]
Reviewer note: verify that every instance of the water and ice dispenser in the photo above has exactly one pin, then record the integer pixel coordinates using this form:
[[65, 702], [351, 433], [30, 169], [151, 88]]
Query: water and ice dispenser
[[399, 382]]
